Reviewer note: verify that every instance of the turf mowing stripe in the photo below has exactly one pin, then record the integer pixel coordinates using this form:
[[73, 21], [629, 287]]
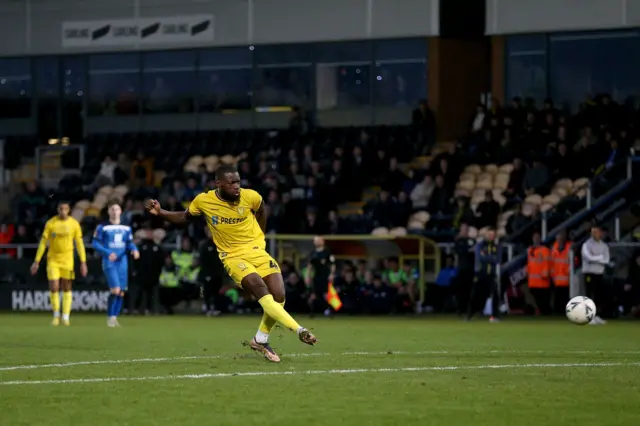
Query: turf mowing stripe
[[309, 354], [313, 372]]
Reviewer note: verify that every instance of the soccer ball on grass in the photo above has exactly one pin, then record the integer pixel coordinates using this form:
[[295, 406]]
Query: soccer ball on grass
[[580, 310]]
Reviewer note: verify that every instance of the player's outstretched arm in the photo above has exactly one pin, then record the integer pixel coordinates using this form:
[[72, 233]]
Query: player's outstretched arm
[[177, 218]]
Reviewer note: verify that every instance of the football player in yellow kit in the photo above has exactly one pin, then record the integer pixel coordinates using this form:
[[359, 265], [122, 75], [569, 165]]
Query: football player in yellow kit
[[60, 232], [237, 222]]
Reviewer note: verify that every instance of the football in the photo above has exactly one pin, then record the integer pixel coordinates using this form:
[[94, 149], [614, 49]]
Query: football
[[581, 310]]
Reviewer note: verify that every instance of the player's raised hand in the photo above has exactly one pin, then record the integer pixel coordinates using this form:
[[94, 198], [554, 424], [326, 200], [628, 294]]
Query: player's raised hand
[[83, 269], [136, 255], [34, 268], [152, 206]]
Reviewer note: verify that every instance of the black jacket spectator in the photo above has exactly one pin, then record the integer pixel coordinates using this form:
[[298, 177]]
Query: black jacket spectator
[[488, 211]]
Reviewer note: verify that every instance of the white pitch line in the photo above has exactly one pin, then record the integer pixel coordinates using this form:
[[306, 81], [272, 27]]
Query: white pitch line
[[313, 372], [307, 354]]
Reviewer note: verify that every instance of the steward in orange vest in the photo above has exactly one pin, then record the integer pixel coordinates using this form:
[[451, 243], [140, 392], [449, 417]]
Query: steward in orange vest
[[538, 262], [561, 271]]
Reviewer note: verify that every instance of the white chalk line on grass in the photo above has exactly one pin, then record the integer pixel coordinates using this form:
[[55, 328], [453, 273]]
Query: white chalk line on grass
[[307, 354], [315, 372]]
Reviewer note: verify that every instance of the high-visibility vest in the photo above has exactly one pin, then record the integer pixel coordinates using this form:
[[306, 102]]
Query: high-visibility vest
[[169, 279], [538, 267], [560, 264]]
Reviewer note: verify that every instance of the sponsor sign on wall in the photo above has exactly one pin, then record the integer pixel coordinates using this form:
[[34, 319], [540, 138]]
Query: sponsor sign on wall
[[133, 32], [38, 300]]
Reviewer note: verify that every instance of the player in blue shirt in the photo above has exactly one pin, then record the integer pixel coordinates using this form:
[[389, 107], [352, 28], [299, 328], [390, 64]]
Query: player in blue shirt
[[114, 241]]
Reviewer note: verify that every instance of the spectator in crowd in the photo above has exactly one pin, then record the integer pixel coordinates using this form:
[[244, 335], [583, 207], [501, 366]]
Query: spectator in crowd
[[488, 211], [424, 123], [421, 194], [516, 179], [516, 221], [377, 296], [401, 210], [6, 236], [142, 170], [192, 189], [440, 202], [561, 163], [479, 121], [23, 236], [296, 291], [348, 286], [170, 293], [394, 178], [313, 225], [32, 203], [463, 213], [536, 178], [405, 289], [337, 182], [146, 274], [334, 224], [381, 210]]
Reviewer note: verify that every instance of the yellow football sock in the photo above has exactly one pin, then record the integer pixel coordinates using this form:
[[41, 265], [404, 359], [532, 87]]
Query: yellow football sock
[[274, 310], [67, 300], [54, 298], [267, 323]]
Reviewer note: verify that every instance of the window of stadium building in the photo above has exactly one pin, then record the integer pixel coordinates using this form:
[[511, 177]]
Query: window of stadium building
[[400, 72], [284, 76], [114, 84], [169, 82], [47, 77], [225, 79], [526, 67], [343, 75], [593, 63], [74, 70], [15, 88]]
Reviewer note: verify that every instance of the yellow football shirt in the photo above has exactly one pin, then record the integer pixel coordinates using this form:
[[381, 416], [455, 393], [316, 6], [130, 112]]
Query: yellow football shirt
[[233, 225], [59, 235]]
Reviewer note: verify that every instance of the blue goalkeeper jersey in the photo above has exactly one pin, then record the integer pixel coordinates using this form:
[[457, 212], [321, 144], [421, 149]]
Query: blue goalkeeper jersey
[[116, 239]]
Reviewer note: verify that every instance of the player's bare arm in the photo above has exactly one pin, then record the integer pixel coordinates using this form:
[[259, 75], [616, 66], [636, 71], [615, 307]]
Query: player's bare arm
[[177, 218], [261, 217]]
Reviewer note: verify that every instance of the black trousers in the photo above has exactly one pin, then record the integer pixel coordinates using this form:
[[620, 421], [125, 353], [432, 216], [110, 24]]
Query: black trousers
[[144, 296], [211, 285], [484, 286], [170, 297], [560, 299], [596, 290], [463, 285], [542, 297]]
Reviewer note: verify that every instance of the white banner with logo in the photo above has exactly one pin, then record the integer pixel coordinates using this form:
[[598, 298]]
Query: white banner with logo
[[141, 31], [36, 300]]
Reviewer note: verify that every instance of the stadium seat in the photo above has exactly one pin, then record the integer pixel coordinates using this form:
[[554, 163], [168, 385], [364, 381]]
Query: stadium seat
[[398, 232], [83, 204], [491, 168], [533, 199], [380, 231], [421, 216], [415, 225], [106, 190], [473, 169], [528, 209], [552, 199], [581, 183], [564, 183], [505, 168], [545, 207]]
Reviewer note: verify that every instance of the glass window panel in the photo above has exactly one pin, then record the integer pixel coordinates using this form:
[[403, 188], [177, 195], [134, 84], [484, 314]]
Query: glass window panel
[[412, 48], [47, 76], [169, 82], [344, 51], [223, 56], [172, 59], [343, 86], [15, 88], [114, 61], [283, 86], [224, 89], [590, 64], [74, 70], [526, 75], [283, 54], [524, 43], [400, 82], [113, 93]]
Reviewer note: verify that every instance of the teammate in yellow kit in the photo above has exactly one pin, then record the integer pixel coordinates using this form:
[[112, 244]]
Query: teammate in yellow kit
[[59, 234], [237, 222]]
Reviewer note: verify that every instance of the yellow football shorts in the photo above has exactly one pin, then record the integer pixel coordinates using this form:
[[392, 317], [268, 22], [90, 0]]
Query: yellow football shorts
[[256, 261], [56, 272]]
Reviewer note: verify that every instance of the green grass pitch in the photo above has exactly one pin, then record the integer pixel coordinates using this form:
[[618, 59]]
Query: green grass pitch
[[364, 371]]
